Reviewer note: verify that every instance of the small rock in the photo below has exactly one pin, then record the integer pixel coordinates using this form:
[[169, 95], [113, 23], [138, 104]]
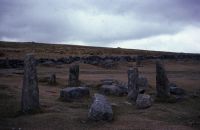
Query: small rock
[[143, 101], [100, 109], [73, 93], [176, 90]]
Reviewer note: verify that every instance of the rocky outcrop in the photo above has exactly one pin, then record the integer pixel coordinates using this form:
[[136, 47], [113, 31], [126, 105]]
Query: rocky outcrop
[[103, 61]]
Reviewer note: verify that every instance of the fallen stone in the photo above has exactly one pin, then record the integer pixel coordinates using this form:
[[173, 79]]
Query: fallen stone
[[100, 109], [112, 90], [176, 90], [73, 93], [107, 81], [143, 101]]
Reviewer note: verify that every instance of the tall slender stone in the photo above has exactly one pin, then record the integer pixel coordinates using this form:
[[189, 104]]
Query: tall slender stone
[[30, 91], [138, 61], [163, 90], [74, 75], [52, 79], [132, 78], [133, 89]]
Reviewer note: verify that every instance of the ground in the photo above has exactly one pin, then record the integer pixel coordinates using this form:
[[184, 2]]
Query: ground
[[55, 114]]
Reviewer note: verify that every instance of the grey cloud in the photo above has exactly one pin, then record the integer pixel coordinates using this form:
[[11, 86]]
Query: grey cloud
[[98, 21]]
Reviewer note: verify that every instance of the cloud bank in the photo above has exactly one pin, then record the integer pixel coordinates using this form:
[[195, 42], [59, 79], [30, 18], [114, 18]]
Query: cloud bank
[[169, 25]]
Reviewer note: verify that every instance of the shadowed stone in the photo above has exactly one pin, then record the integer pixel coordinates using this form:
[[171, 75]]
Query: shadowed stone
[[30, 91], [74, 75], [162, 81], [132, 84], [107, 81], [100, 109], [138, 61], [142, 84], [176, 90], [73, 93], [52, 79], [143, 101]]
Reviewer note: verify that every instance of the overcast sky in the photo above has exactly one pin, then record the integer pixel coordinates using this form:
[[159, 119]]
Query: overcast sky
[[166, 25]]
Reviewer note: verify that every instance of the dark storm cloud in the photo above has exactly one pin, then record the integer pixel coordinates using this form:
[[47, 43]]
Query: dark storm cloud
[[94, 22]]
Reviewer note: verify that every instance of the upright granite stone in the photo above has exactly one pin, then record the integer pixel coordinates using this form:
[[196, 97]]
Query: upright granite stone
[[138, 61], [133, 89], [30, 91], [100, 109], [142, 84], [52, 79], [74, 75], [163, 90]]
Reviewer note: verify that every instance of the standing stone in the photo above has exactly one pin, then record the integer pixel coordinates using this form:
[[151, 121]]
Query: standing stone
[[30, 91], [163, 90], [52, 79], [100, 109], [7, 63], [142, 84], [138, 61], [74, 75], [132, 84]]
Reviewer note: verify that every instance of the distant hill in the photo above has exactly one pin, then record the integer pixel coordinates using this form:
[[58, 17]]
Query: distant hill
[[17, 50]]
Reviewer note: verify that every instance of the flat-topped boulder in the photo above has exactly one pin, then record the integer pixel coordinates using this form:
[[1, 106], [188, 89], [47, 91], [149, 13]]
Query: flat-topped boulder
[[143, 101], [108, 81], [73, 93], [100, 109], [112, 90]]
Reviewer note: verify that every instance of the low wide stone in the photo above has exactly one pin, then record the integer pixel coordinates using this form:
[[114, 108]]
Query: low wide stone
[[74, 93], [100, 109]]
